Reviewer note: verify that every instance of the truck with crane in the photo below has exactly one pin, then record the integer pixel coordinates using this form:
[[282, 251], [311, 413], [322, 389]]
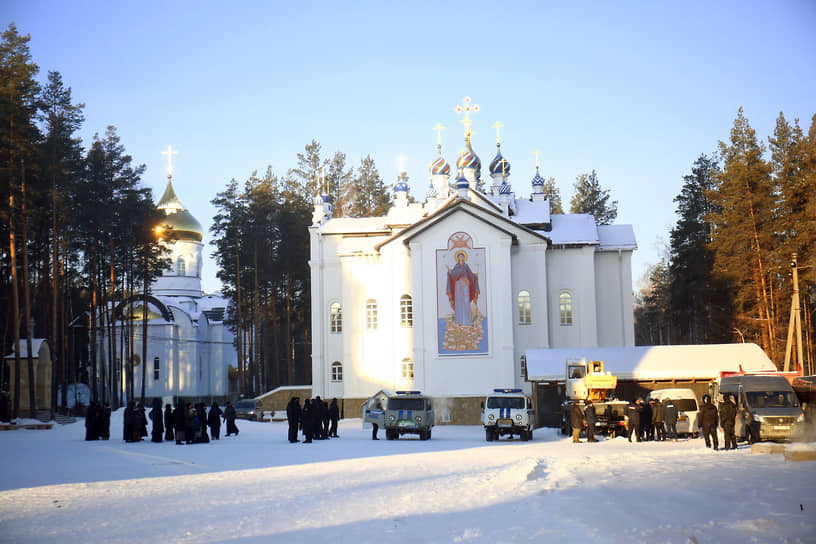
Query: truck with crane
[[587, 380]]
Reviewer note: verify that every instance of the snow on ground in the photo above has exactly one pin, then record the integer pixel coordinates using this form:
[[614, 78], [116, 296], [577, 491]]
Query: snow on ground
[[258, 488]]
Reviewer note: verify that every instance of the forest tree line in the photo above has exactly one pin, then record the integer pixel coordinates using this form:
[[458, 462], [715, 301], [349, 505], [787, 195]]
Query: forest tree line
[[743, 213]]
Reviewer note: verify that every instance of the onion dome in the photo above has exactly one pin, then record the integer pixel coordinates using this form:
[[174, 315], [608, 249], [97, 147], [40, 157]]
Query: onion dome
[[401, 187], [468, 159], [504, 188], [538, 181], [440, 167], [184, 225], [326, 198], [462, 182], [499, 165]]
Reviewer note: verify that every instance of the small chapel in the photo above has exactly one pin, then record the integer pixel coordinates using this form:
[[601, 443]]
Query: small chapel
[[446, 296], [189, 347]]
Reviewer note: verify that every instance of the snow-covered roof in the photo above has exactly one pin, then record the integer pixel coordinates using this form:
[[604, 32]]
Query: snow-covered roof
[[574, 228], [653, 362], [532, 213], [35, 348], [345, 225], [613, 237]]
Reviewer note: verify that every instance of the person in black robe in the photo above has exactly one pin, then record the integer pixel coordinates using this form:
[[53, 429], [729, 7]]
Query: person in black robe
[[91, 421], [591, 418], [157, 421], [132, 431], [293, 413], [633, 424], [307, 421], [214, 420], [169, 423], [104, 422], [202, 437], [180, 422], [334, 417], [229, 417], [141, 421], [189, 423]]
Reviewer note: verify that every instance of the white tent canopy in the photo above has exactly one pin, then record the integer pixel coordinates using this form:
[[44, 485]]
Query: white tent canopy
[[653, 362]]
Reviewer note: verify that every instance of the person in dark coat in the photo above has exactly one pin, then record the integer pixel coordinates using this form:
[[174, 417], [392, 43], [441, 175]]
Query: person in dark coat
[[657, 419], [201, 431], [325, 420], [92, 421], [728, 418], [669, 412], [104, 422], [169, 423], [589, 416], [293, 412], [334, 417], [214, 420], [141, 420], [157, 419], [180, 423], [633, 425], [189, 423], [127, 421], [307, 421], [229, 417], [709, 419], [645, 419], [576, 421]]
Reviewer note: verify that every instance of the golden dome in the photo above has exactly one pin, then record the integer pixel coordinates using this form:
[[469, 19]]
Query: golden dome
[[184, 225]]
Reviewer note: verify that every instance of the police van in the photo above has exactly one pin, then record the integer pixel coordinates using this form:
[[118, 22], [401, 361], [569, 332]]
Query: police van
[[508, 412], [408, 412]]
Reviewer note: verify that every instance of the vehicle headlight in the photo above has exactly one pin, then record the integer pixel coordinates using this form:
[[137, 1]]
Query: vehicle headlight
[[801, 418], [518, 417], [391, 417], [491, 417], [418, 419]]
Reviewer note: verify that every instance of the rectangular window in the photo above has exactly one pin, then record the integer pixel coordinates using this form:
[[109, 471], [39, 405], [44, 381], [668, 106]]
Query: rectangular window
[[336, 317], [407, 369], [156, 367], [371, 314]]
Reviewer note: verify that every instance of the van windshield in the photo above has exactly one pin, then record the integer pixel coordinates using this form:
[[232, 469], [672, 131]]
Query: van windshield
[[771, 399], [685, 405], [505, 402], [406, 404]]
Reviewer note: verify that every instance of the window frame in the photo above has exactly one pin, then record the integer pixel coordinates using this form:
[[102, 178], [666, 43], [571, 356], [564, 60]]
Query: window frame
[[566, 309], [407, 369], [336, 369], [181, 267], [156, 368], [371, 314], [525, 309], [335, 318], [406, 311]]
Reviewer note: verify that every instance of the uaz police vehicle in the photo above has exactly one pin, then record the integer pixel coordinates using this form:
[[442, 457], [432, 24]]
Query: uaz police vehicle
[[408, 412], [508, 412]]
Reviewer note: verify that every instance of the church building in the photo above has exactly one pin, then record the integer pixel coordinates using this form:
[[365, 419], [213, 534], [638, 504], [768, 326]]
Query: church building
[[189, 348], [445, 296]]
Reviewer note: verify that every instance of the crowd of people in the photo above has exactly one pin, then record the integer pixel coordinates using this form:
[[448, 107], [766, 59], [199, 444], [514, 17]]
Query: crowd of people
[[657, 420], [316, 419]]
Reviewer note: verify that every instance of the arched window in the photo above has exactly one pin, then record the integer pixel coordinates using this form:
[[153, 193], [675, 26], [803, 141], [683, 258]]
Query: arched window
[[407, 369], [525, 317], [181, 267], [337, 371], [156, 368], [565, 306], [406, 311], [336, 317], [371, 314]]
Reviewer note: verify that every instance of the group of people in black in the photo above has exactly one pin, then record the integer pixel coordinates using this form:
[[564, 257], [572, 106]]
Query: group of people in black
[[653, 420], [186, 423], [710, 416], [315, 418]]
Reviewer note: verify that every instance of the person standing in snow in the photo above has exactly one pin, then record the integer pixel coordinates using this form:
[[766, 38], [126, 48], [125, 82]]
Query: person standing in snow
[[657, 420], [670, 418], [180, 422], [374, 425], [214, 420], [589, 416], [157, 420], [293, 412], [307, 421], [168, 422], [728, 420], [633, 422], [576, 421], [334, 418], [709, 418], [229, 417], [645, 419]]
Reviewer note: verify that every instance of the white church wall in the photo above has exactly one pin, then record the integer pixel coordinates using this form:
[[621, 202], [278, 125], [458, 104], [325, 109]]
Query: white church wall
[[319, 310], [572, 270], [529, 260], [397, 263], [334, 342], [613, 272]]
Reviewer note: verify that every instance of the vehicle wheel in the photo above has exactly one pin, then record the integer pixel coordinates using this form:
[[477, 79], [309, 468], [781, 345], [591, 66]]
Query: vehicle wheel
[[389, 435], [428, 434], [525, 435]]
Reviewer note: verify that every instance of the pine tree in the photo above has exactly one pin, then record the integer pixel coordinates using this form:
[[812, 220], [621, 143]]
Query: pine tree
[[653, 318], [554, 195], [743, 232], [590, 198], [368, 195]]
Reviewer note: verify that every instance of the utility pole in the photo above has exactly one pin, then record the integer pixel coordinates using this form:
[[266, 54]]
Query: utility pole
[[795, 319]]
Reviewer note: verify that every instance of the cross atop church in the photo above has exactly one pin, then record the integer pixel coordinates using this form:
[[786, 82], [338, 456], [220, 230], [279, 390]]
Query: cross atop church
[[498, 126], [169, 154], [438, 128], [537, 153], [466, 107]]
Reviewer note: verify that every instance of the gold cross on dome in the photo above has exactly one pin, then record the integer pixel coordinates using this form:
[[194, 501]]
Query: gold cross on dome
[[537, 153], [466, 107], [498, 126], [169, 154], [438, 128]]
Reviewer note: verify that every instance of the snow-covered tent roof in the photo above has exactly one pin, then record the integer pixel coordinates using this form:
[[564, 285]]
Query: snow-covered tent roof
[[653, 362], [575, 228], [612, 237]]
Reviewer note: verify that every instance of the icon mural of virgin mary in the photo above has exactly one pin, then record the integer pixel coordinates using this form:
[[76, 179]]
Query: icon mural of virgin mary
[[461, 307]]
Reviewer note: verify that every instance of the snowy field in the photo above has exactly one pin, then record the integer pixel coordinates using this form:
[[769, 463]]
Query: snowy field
[[258, 488]]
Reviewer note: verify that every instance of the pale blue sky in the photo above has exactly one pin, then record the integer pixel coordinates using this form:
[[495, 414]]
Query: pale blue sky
[[636, 91]]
